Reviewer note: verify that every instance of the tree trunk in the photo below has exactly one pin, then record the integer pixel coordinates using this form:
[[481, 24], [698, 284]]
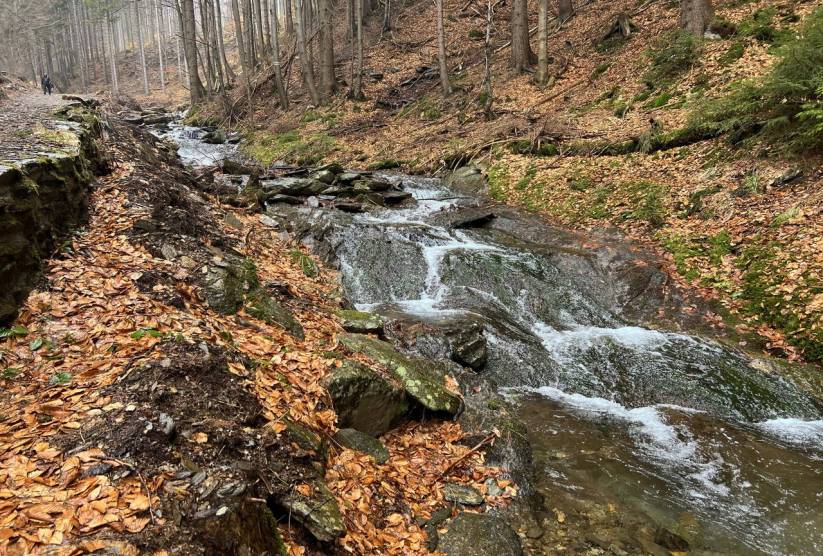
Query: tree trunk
[[159, 29], [441, 52], [258, 25], [387, 17], [305, 62], [356, 91], [289, 18], [142, 49], [229, 73], [564, 10], [522, 56], [241, 40], [488, 99], [328, 81], [696, 15], [542, 76], [196, 90], [115, 86], [275, 57]]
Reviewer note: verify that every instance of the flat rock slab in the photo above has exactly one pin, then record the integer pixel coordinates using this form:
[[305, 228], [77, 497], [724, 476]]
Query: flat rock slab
[[462, 494], [361, 442], [361, 322]]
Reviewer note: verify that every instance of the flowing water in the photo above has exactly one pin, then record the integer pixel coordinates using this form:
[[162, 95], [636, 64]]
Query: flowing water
[[678, 429], [672, 426]]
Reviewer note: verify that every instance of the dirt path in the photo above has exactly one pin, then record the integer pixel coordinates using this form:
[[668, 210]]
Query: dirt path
[[26, 126]]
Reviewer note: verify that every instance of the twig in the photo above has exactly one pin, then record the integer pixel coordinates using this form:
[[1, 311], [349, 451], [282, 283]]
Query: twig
[[479, 445]]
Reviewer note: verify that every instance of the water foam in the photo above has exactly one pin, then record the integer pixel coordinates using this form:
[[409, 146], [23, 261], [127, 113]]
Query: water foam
[[795, 431]]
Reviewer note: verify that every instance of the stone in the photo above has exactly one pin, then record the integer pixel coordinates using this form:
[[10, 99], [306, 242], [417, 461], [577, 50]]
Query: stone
[[302, 187], [168, 251], [156, 119], [396, 197], [672, 541], [305, 438], [337, 191], [349, 207], [325, 176], [364, 400], [471, 534], [224, 289], [260, 305], [146, 225], [188, 263], [313, 202], [235, 168], [361, 442], [348, 177], [371, 185], [466, 218], [360, 322], [216, 137], [231, 219], [284, 199], [468, 178], [132, 118], [462, 494], [419, 377], [234, 137], [468, 345], [267, 220], [318, 512]]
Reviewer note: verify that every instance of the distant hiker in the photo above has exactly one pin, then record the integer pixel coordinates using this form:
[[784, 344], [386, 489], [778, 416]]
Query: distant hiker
[[43, 85], [49, 84]]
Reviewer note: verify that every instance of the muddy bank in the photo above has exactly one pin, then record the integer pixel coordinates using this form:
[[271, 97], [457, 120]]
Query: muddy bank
[[44, 198]]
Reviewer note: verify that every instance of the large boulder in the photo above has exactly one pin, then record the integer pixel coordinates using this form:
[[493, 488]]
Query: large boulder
[[364, 400], [471, 534], [293, 186], [423, 380]]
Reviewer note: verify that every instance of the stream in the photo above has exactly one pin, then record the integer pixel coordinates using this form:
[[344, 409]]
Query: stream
[[631, 426]]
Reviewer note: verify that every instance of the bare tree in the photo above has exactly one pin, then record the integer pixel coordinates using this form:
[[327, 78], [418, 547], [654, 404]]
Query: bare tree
[[305, 62], [542, 75], [522, 56], [696, 15], [275, 58], [328, 81], [488, 52], [142, 48], [445, 85], [196, 90]]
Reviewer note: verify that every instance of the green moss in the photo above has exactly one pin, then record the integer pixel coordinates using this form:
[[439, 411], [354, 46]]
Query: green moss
[[599, 70], [291, 146], [682, 251], [660, 100], [498, 178], [784, 217], [671, 56], [734, 53], [525, 181], [423, 109], [651, 208]]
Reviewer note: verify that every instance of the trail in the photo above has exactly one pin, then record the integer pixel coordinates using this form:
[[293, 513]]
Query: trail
[[24, 120]]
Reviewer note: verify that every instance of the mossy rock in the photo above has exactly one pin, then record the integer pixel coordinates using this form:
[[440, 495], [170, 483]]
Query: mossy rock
[[305, 438], [462, 494], [318, 512], [361, 442], [224, 289], [419, 377], [360, 322], [243, 528], [364, 400], [259, 304]]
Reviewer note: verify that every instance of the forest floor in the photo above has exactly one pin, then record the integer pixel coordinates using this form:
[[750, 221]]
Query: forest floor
[[26, 126], [741, 226], [80, 470]]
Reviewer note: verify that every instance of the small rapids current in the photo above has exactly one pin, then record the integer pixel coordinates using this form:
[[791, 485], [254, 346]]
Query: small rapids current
[[671, 426], [643, 425]]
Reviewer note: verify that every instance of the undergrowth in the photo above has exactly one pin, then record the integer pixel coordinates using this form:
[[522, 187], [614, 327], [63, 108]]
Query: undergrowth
[[785, 107]]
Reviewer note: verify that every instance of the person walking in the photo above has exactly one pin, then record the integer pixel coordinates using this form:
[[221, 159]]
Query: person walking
[[49, 84], [43, 85]]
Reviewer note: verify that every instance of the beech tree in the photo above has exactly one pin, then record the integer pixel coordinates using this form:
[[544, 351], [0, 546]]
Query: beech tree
[[521, 53], [441, 51], [696, 15]]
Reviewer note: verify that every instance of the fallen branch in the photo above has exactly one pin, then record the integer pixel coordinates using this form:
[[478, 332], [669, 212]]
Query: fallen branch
[[494, 434]]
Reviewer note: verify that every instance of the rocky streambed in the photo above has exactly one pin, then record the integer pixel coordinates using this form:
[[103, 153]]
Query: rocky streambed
[[624, 435]]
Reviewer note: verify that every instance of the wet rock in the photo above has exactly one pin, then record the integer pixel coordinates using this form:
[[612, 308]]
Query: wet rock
[[361, 442], [461, 341], [233, 167], [418, 376], [318, 512], [462, 494], [471, 534], [371, 185], [396, 197], [132, 118], [285, 199], [465, 218], [364, 400], [216, 137], [467, 178], [468, 345], [360, 322], [338, 191], [313, 202], [156, 119], [672, 541], [349, 207], [260, 305], [294, 186], [348, 177], [234, 137], [325, 176]]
